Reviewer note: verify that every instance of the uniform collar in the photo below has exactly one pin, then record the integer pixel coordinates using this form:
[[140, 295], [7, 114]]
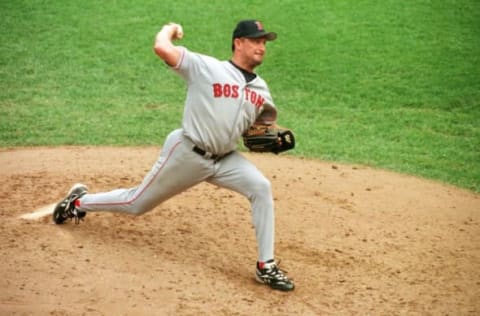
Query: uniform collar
[[249, 76]]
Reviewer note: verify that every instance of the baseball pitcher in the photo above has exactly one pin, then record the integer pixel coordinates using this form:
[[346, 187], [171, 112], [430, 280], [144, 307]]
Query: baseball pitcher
[[226, 101]]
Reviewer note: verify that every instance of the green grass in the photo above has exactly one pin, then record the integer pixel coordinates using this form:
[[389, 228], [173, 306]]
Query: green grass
[[391, 84]]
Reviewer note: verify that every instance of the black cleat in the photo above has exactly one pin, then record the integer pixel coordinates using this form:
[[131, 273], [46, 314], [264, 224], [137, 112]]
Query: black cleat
[[65, 209], [272, 276]]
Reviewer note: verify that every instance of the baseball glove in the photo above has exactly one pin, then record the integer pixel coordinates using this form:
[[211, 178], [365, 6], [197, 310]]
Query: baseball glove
[[268, 138]]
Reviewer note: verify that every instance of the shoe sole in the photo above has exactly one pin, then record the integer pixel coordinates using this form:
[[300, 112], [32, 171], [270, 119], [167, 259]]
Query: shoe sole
[[271, 285]]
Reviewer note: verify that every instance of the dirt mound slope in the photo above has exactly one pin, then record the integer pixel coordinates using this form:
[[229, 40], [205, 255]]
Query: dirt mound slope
[[356, 241]]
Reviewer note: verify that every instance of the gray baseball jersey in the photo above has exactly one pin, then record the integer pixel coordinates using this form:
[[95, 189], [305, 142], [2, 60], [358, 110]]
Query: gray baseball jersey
[[220, 104], [219, 107]]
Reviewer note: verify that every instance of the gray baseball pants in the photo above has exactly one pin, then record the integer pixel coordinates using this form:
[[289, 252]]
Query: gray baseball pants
[[179, 168]]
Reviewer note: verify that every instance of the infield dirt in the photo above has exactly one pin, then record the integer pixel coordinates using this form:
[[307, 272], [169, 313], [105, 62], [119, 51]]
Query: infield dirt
[[356, 240]]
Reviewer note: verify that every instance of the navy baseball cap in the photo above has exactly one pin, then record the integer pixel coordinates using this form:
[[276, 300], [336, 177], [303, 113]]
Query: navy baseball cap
[[252, 29]]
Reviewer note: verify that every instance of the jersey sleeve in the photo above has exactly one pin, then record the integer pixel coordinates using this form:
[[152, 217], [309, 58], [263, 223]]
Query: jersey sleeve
[[189, 65]]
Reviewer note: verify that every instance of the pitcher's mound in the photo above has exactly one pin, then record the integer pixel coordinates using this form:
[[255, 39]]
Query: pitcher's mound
[[356, 241]]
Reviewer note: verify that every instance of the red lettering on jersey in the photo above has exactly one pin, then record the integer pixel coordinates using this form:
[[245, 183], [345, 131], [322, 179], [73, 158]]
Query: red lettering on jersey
[[260, 101], [253, 97], [217, 90], [227, 90], [247, 93], [235, 91], [256, 99]]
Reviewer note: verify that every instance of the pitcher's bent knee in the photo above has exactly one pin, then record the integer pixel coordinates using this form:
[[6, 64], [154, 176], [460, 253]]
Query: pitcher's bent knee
[[261, 189]]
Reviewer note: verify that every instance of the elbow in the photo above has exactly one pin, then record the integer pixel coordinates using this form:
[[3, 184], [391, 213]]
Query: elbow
[[159, 50], [167, 52]]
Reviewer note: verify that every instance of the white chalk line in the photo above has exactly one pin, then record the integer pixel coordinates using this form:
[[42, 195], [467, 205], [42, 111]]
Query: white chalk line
[[39, 212]]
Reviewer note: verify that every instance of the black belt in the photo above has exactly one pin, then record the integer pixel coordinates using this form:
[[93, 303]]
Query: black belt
[[208, 155]]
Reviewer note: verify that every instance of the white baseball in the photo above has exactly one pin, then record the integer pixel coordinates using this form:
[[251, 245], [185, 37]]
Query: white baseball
[[179, 33], [178, 30]]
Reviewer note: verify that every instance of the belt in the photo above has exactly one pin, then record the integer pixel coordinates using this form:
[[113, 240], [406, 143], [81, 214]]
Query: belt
[[208, 155]]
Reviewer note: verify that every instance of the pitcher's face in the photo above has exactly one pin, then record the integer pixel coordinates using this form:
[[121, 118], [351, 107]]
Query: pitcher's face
[[252, 50]]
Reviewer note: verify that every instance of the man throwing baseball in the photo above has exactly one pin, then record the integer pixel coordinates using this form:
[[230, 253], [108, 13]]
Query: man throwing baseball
[[224, 100]]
